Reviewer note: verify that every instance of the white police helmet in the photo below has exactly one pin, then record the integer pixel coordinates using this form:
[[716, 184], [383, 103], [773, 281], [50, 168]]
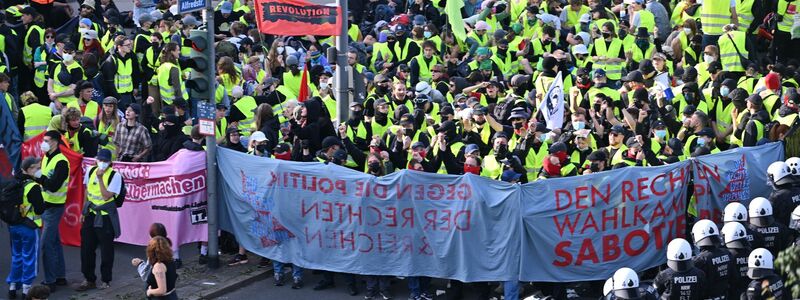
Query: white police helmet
[[794, 165], [735, 235], [679, 255], [705, 233], [735, 212], [779, 173], [759, 263], [760, 212], [626, 283], [794, 219]]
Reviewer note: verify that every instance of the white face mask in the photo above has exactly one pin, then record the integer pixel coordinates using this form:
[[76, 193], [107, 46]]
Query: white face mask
[[261, 57], [578, 125], [708, 58], [102, 165], [44, 146], [67, 57], [687, 30], [323, 85], [38, 173], [280, 49]]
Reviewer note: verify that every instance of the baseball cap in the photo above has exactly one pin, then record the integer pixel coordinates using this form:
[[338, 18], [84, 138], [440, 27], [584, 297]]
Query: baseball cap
[[103, 155], [634, 76], [580, 49], [258, 136], [599, 73], [446, 110], [471, 148], [280, 148], [632, 143], [226, 7], [707, 132], [330, 141], [509, 175], [618, 129], [446, 126]]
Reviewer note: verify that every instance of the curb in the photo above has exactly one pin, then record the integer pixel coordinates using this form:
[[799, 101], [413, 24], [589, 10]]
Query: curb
[[231, 284]]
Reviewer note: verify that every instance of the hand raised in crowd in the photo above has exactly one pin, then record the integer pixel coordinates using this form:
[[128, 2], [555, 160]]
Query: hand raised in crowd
[[343, 131]]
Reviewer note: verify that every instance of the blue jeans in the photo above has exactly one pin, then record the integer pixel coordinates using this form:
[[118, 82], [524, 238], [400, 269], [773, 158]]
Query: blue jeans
[[52, 251], [511, 289], [24, 254], [297, 272], [418, 285]]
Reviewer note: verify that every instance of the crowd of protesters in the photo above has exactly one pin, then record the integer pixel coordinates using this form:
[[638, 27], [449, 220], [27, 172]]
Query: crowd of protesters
[[645, 83]]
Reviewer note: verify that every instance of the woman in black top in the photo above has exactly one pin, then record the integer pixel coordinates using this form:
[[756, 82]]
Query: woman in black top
[[162, 279]]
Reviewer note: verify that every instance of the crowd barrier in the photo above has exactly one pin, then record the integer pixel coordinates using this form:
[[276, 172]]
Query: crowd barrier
[[471, 228]]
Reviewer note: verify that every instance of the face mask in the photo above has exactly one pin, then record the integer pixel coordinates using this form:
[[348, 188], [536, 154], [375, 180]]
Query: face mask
[[45, 147], [583, 148], [578, 125], [261, 57], [67, 57], [661, 134], [724, 91], [323, 85], [606, 35], [701, 142], [356, 115], [382, 90], [427, 34], [38, 173], [595, 167], [689, 97], [542, 138], [472, 169], [687, 31], [261, 148], [517, 125], [708, 58], [374, 166], [284, 156], [502, 148], [622, 34], [102, 165], [280, 49]]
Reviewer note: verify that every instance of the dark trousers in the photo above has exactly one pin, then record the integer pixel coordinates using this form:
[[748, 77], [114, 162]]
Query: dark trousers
[[349, 279], [91, 238], [783, 47]]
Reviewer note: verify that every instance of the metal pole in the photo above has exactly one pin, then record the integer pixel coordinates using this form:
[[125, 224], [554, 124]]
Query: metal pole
[[343, 90], [211, 149]]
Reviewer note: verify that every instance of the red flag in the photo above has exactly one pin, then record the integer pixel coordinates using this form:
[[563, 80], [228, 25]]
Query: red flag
[[298, 17], [304, 92], [70, 226]]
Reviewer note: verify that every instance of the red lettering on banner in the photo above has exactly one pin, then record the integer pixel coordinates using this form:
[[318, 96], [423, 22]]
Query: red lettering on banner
[[445, 220], [408, 217], [377, 213], [559, 206], [610, 218], [430, 220], [658, 212], [587, 252], [380, 191], [391, 215], [359, 189], [637, 214], [567, 224], [589, 223], [707, 173], [627, 188], [460, 225], [629, 250], [641, 186], [580, 196], [674, 181], [327, 211], [369, 238], [435, 192], [610, 247], [561, 252], [653, 185]]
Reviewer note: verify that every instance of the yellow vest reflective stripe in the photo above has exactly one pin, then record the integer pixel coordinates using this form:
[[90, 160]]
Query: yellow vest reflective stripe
[[164, 85], [27, 51], [360, 132], [353, 32], [613, 70], [647, 20], [37, 117], [123, 80], [573, 17], [770, 100], [491, 167], [744, 13], [425, 68], [482, 42], [714, 14], [185, 50], [788, 19], [48, 167], [617, 158], [246, 105], [378, 129], [26, 208], [759, 131], [40, 73], [729, 57], [93, 192], [59, 87], [90, 111], [221, 128]]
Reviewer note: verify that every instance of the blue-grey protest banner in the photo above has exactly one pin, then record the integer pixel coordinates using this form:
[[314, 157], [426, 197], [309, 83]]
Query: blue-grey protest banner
[[585, 228], [408, 223], [737, 175]]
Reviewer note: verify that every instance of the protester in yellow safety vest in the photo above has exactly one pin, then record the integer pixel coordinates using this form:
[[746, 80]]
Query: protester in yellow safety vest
[[100, 221], [685, 10], [79, 137], [787, 114], [643, 49], [121, 73], [170, 82], [61, 86], [421, 64], [87, 107], [34, 37], [571, 14], [24, 236], [616, 138], [714, 14], [478, 37], [684, 47], [732, 49], [221, 122], [784, 46], [33, 117], [40, 64], [54, 180], [608, 54], [352, 61], [751, 128], [106, 124], [641, 17]]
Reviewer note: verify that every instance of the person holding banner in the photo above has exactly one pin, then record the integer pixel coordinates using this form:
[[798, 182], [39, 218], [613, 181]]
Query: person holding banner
[[54, 180], [100, 221]]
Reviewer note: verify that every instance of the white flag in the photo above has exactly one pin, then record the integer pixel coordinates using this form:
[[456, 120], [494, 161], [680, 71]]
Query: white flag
[[552, 106]]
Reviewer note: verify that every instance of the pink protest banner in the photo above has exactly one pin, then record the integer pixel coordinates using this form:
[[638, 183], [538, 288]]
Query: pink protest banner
[[171, 192]]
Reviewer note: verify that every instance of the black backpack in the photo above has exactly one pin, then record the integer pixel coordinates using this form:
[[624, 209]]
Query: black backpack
[[11, 193], [119, 199]]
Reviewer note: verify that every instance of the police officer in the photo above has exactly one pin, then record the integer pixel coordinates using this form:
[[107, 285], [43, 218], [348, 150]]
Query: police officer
[[737, 212], [681, 280], [765, 283], [794, 223], [776, 235], [626, 286], [735, 236], [716, 262], [784, 197]]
